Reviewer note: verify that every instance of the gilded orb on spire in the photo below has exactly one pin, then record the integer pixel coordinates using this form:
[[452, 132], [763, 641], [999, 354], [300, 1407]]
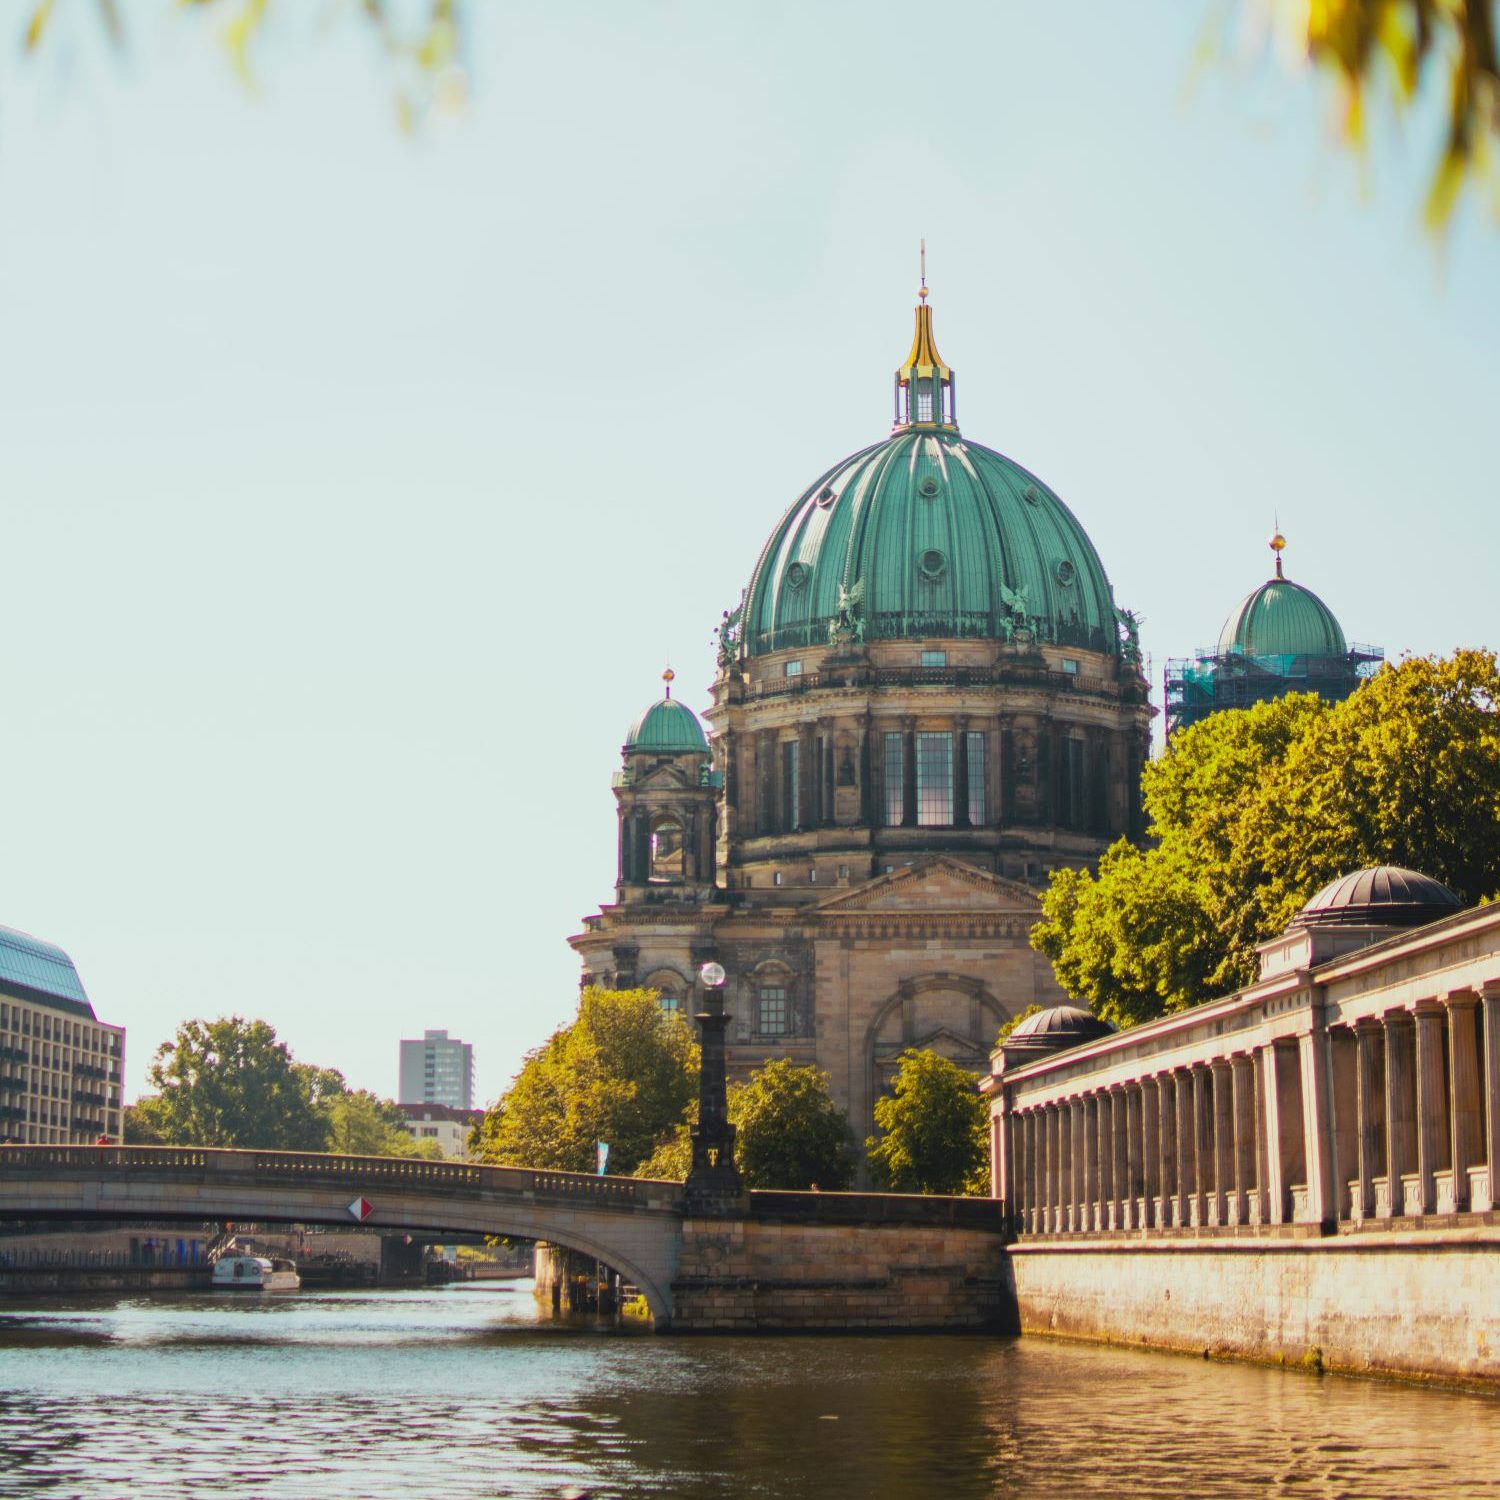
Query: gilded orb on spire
[[1277, 544], [669, 677]]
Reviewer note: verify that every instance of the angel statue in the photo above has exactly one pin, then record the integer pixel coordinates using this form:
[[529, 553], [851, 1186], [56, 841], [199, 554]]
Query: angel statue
[[1129, 624], [1017, 600], [847, 624], [728, 632]]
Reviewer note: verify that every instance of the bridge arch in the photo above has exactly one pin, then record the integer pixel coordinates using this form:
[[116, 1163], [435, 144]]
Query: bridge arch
[[632, 1225]]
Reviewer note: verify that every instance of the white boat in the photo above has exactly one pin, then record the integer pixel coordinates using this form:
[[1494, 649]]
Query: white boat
[[254, 1273]]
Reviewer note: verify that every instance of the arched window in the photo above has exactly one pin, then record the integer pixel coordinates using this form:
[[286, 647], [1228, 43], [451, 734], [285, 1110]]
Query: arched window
[[666, 850]]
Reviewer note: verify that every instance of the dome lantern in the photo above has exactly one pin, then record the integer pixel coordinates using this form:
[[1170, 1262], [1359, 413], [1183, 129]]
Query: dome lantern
[[924, 384]]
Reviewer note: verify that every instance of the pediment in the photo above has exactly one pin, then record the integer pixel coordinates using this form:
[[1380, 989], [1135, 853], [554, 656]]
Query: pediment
[[664, 778], [935, 884], [943, 1040]]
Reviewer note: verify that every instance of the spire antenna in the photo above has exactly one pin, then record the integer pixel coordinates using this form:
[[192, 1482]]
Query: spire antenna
[[668, 677], [1276, 544], [923, 253]]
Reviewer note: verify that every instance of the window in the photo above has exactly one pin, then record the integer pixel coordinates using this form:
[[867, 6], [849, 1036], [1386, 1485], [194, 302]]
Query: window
[[934, 658], [776, 877], [667, 850], [978, 812], [843, 872], [771, 1019], [791, 786], [934, 780], [793, 669], [812, 876], [924, 401], [1070, 666], [892, 802], [669, 1002]]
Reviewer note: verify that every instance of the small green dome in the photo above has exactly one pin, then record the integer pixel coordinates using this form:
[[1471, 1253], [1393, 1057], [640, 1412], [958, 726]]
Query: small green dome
[[1281, 618], [667, 726], [927, 535]]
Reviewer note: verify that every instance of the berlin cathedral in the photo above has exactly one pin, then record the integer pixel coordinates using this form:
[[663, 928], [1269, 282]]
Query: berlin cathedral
[[926, 701]]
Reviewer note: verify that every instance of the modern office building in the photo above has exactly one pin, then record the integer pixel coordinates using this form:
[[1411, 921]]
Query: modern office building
[[438, 1069], [60, 1066]]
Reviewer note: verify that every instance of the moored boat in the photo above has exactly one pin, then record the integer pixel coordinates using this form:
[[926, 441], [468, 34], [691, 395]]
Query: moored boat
[[255, 1273]]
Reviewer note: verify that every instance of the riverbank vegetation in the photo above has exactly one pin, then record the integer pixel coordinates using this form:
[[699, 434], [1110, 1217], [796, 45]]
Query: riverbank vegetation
[[1253, 810], [231, 1082]]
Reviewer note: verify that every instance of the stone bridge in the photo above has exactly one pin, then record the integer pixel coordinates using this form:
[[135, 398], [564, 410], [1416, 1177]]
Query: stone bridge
[[771, 1260]]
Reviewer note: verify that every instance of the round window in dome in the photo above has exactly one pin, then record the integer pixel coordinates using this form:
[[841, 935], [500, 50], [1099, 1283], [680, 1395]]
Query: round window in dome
[[1033, 495], [1066, 573], [932, 565], [825, 498], [928, 486], [796, 575]]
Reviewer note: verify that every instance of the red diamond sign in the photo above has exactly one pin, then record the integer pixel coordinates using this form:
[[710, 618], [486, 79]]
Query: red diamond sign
[[361, 1208]]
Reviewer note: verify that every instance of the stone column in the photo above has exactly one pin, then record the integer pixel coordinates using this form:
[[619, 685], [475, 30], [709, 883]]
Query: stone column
[[1400, 1097], [1079, 1197], [1223, 1178], [1317, 1128], [1284, 1134], [1059, 1166], [1243, 1090], [1122, 1181], [1028, 1164], [1463, 1078], [1489, 1000], [1150, 1153], [1135, 1150], [1187, 1161], [1203, 1141], [713, 1180], [1105, 1116], [1166, 1110], [1064, 1166], [1432, 1102], [960, 772], [1369, 1100], [1089, 1109], [908, 772]]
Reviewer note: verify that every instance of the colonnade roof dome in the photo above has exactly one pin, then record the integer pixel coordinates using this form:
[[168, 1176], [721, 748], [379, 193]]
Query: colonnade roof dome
[[667, 726], [1381, 896], [1061, 1025], [1282, 618], [928, 535]]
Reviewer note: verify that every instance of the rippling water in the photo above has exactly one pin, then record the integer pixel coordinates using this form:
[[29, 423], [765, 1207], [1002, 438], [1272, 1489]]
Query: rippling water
[[462, 1392]]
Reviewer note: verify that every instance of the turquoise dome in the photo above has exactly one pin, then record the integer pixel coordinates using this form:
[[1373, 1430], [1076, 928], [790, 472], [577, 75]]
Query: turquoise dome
[[1281, 618], [669, 727], [925, 536]]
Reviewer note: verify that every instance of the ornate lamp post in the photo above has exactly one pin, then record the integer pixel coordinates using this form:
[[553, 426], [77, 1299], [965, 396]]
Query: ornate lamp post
[[713, 1181]]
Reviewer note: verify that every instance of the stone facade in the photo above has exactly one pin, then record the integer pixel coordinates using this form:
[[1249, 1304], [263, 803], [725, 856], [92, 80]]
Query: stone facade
[[926, 702], [1304, 1165]]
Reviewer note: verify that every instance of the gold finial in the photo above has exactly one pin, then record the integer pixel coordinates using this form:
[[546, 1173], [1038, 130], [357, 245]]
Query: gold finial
[[669, 677], [1276, 544], [923, 292]]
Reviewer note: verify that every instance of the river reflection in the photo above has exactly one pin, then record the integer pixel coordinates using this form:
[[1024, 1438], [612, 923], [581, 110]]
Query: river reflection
[[461, 1392]]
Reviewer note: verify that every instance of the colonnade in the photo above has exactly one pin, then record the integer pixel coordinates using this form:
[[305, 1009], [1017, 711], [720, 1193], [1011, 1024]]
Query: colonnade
[[1392, 1115]]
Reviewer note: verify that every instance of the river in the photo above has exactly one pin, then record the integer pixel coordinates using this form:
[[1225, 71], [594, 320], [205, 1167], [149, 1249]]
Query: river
[[466, 1392]]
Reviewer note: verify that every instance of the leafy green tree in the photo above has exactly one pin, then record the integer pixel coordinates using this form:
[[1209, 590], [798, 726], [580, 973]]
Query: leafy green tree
[[934, 1129], [229, 1082], [143, 1122], [1254, 810], [360, 1123], [1006, 1027], [789, 1133], [624, 1071]]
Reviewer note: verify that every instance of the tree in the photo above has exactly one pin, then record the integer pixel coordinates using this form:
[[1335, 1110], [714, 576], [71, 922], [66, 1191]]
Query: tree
[[624, 1071], [935, 1131], [789, 1133], [1254, 810], [360, 1123], [229, 1082]]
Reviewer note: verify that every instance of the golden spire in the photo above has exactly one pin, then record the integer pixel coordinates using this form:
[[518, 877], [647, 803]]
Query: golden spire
[[669, 677], [1276, 544], [924, 384]]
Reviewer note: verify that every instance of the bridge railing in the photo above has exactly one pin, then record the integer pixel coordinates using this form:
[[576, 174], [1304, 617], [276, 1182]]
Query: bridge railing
[[353, 1172]]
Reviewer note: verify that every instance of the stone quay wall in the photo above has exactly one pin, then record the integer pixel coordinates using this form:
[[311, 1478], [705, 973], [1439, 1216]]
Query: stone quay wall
[[804, 1262], [1417, 1304]]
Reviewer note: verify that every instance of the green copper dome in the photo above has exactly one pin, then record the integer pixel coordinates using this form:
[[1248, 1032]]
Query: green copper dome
[[925, 536], [1281, 618], [668, 727]]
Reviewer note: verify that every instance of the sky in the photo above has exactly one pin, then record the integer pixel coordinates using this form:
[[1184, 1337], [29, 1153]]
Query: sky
[[356, 484]]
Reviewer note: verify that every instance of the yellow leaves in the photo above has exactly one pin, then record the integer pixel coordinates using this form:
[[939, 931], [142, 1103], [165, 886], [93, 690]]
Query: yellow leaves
[[38, 24]]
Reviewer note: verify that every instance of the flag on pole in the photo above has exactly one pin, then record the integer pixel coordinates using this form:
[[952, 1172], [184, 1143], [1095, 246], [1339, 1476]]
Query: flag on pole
[[603, 1156]]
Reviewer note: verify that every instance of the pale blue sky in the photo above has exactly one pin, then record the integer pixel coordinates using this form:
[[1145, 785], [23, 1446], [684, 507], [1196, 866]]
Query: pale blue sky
[[354, 489]]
